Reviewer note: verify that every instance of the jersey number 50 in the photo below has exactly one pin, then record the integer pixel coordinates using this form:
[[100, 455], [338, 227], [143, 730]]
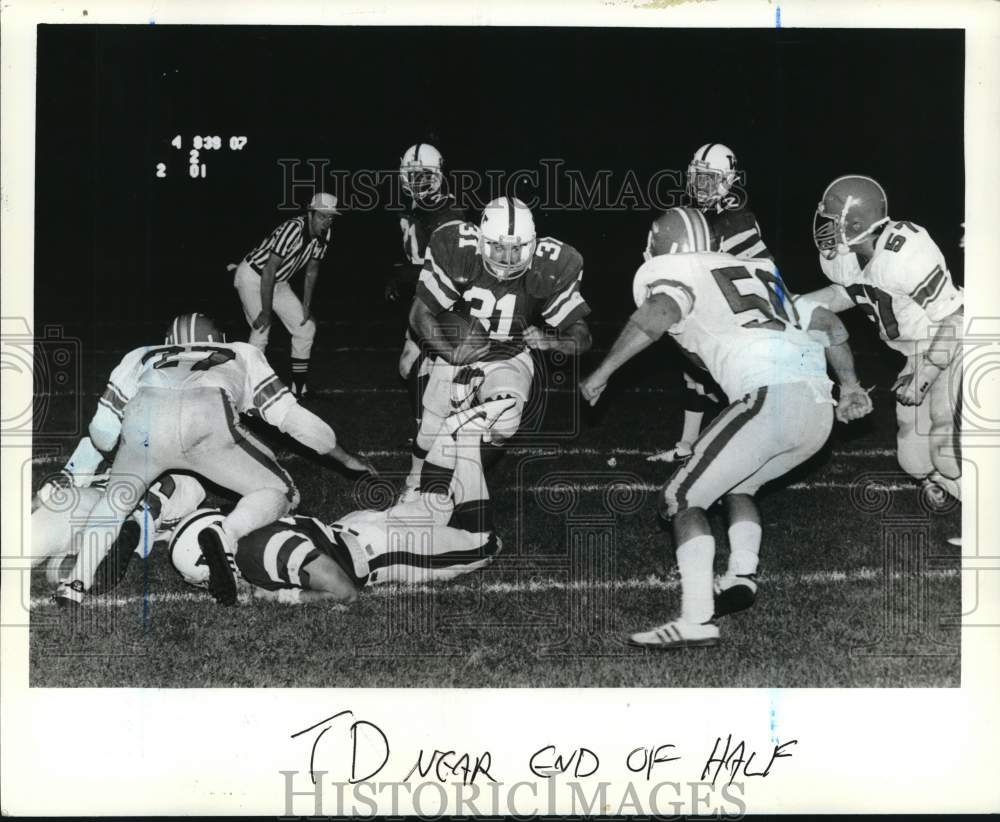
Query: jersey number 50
[[775, 315]]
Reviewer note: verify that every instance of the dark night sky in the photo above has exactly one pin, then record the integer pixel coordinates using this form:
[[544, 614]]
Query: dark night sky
[[118, 250]]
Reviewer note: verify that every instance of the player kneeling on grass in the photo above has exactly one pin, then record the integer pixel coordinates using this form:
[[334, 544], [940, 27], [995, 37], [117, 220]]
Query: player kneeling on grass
[[433, 538], [176, 407], [63, 503], [734, 318]]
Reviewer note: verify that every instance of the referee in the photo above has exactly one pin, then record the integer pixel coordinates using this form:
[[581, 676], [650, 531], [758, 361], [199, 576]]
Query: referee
[[262, 281]]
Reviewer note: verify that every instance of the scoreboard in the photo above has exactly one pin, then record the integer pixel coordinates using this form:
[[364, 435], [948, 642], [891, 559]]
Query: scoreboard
[[193, 153]]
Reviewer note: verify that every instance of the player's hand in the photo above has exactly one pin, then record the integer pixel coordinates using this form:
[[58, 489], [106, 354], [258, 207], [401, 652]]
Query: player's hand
[[910, 389], [534, 337], [362, 466], [263, 321], [855, 403], [592, 387], [307, 315]]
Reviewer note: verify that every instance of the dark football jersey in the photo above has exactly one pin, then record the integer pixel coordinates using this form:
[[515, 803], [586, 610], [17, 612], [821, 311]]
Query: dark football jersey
[[273, 556], [454, 278], [737, 231], [420, 220]]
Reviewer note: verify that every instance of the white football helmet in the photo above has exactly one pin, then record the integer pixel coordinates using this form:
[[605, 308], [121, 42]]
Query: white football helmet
[[507, 237], [711, 174], [420, 170], [185, 555]]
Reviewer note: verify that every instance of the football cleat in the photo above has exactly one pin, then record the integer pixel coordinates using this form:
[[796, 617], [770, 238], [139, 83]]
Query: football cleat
[[221, 579], [69, 594], [676, 635], [733, 593], [679, 453]]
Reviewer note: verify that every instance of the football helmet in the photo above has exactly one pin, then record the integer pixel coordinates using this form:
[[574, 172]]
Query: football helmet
[[420, 170], [679, 231], [507, 237], [185, 554], [711, 174], [853, 206], [192, 328]]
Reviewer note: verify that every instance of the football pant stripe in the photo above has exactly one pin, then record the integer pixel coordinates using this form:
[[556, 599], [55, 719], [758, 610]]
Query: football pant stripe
[[708, 446], [244, 440]]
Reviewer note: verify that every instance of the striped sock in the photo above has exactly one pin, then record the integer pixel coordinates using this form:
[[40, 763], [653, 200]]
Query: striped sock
[[300, 375]]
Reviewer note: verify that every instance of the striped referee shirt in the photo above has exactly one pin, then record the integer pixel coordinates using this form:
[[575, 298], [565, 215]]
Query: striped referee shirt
[[293, 243]]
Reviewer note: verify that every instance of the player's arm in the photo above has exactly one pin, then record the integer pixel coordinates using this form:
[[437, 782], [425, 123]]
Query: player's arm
[[911, 388], [854, 401], [312, 272], [424, 322], [574, 339], [650, 321], [436, 293], [106, 424], [833, 297], [78, 471], [270, 398]]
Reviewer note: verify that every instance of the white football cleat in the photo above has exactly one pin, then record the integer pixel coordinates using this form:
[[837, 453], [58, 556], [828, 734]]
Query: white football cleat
[[679, 453], [676, 635]]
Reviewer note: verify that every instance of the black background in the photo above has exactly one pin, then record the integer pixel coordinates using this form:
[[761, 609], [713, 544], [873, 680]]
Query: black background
[[119, 252]]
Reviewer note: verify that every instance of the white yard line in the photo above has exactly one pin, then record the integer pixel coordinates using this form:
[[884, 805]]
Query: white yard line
[[648, 583], [553, 450]]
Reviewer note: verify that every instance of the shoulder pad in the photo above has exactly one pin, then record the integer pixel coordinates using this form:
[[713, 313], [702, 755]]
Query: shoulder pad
[[549, 275], [454, 253]]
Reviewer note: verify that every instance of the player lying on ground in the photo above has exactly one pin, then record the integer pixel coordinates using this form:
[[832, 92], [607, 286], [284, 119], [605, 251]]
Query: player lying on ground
[[712, 178], [60, 509], [500, 274], [735, 319], [299, 559], [897, 275], [176, 407]]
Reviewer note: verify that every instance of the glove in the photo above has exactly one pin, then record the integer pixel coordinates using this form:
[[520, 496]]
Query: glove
[[854, 403]]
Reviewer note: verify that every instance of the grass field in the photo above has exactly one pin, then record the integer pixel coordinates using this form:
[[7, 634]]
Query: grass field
[[858, 583]]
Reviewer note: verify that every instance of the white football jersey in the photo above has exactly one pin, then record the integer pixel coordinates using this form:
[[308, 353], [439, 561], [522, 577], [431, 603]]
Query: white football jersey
[[905, 289], [737, 320], [239, 369]]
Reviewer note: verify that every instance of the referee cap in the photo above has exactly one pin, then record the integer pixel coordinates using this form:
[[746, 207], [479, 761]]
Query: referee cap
[[324, 203]]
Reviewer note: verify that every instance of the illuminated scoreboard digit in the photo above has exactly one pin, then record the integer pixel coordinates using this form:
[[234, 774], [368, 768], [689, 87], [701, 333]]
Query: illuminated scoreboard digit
[[200, 146]]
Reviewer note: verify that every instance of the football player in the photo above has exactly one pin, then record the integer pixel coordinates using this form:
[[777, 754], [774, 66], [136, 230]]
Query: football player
[[62, 504], [711, 176], [421, 173], [176, 407], [733, 317], [514, 284], [895, 273], [301, 559]]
